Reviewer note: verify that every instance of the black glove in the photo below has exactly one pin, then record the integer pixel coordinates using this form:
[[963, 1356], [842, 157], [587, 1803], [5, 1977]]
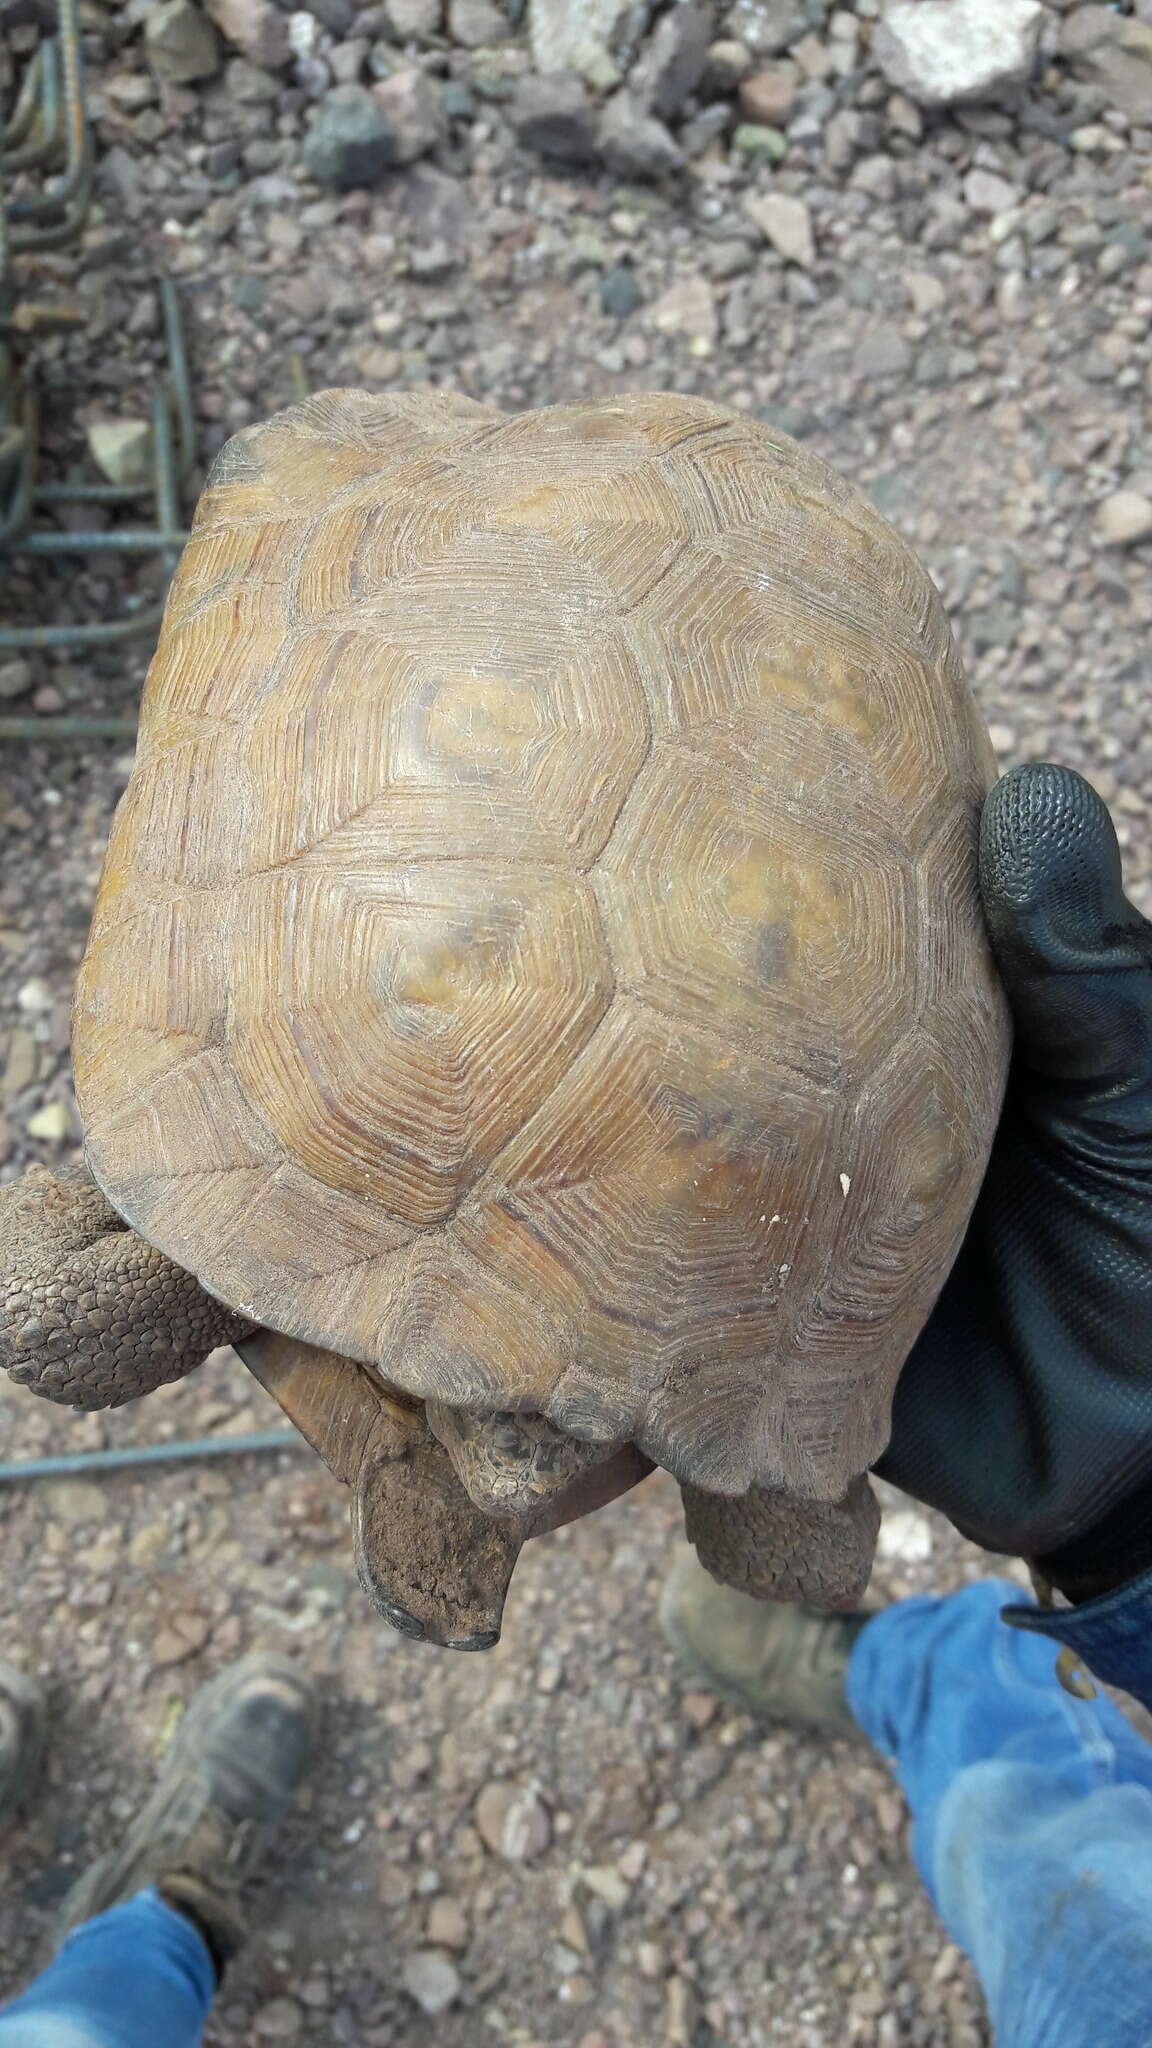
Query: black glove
[[1025, 1410]]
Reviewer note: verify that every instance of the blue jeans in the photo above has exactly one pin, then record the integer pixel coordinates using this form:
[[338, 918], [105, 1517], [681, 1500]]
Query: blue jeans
[[1032, 1816], [138, 1976], [1032, 1830]]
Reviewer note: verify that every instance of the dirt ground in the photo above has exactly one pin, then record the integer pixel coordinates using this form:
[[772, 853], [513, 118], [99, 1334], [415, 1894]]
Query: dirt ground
[[689, 1877], [970, 343]]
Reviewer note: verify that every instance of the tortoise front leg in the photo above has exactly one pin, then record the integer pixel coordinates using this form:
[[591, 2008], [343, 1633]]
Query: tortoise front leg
[[432, 1563], [777, 1547], [91, 1315]]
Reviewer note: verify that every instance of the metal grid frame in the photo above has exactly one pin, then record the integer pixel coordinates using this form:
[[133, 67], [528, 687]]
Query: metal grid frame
[[48, 133]]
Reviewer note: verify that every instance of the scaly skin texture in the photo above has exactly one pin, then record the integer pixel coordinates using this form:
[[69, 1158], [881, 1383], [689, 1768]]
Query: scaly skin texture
[[512, 1464], [90, 1315], [777, 1547]]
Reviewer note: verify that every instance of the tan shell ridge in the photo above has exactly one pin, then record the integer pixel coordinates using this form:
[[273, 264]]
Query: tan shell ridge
[[538, 952]]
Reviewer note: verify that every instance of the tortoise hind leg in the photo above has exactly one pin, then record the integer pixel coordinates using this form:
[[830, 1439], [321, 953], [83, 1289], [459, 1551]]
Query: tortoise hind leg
[[90, 1314], [777, 1547]]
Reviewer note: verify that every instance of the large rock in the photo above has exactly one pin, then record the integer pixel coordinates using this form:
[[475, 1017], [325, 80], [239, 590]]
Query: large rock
[[577, 35], [635, 144], [256, 27], [181, 43], [554, 116], [350, 141], [413, 111], [1113, 51], [941, 52], [672, 63]]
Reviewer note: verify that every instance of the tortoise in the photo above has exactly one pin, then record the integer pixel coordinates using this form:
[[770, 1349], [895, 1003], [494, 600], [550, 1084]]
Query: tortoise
[[537, 1003]]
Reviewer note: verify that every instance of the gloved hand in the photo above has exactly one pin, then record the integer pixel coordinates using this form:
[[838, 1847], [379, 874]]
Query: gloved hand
[[1025, 1410]]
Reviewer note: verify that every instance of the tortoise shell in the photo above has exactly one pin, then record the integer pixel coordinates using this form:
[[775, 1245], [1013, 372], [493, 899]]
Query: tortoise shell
[[538, 953]]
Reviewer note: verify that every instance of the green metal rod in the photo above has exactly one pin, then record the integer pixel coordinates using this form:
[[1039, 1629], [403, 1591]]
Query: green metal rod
[[128, 540], [150, 1454], [101, 634], [67, 728]]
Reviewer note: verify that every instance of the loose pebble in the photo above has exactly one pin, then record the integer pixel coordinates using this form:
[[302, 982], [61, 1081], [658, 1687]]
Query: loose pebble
[[513, 1822], [785, 222], [280, 2020], [432, 1979], [447, 1925], [1124, 518], [52, 1124]]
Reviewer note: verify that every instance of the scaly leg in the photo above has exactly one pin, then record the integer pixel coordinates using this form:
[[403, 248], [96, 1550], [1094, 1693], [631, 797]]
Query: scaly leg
[[778, 1547], [90, 1314]]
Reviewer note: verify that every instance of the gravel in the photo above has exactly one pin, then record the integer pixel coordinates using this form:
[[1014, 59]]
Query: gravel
[[965, 332]]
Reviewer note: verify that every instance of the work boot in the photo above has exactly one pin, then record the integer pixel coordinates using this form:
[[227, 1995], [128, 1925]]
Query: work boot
[[782, 1663], [226, 1782], [22, 1715]]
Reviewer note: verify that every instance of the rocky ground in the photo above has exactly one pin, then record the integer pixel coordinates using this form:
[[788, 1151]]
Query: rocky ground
[[953, 305]]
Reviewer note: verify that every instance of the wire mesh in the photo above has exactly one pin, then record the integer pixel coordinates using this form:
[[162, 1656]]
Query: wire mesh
[[45, 186]]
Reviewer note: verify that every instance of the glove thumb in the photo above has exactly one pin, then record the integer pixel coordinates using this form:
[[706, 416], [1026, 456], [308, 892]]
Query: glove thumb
[[1074, 954]]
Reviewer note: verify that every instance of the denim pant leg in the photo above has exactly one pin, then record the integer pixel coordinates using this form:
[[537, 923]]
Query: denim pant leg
[[1032, 1815], [138, 1976]]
